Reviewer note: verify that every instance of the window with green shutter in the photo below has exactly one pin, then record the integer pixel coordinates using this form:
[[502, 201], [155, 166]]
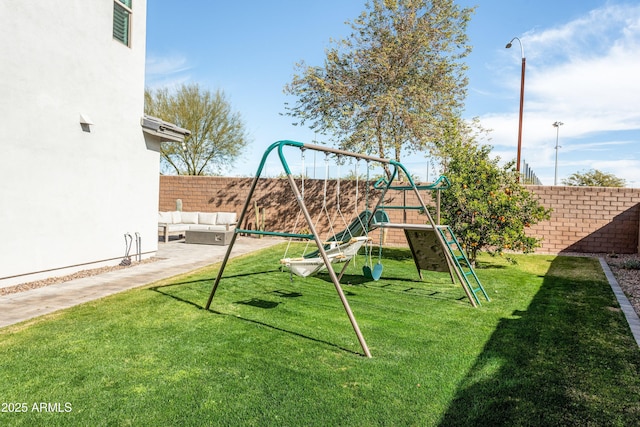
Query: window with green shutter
[[122, 21]]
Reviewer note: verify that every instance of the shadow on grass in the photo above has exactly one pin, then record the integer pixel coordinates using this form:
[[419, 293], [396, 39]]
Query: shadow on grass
[[203, 286], [399, 285], [254, 302], [567, 360], [287, 294], [419, 288], [486, 265], [359, 279], [259, 303], [161, 289], [286, 331]]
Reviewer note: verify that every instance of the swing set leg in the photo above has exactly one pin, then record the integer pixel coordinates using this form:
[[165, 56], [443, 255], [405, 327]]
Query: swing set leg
[[346, 264], [327, 263]]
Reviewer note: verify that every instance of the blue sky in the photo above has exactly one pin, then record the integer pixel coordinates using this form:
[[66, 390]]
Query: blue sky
[[583, 59]]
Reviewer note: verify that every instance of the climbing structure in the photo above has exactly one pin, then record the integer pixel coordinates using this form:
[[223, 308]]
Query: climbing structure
[[434, 247]]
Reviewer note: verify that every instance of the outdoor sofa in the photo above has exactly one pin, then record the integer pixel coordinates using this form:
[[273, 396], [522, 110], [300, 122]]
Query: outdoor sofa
[[177, 222]]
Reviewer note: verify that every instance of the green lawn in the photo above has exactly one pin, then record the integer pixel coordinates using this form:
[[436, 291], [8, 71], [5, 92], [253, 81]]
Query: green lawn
[[551, 348]]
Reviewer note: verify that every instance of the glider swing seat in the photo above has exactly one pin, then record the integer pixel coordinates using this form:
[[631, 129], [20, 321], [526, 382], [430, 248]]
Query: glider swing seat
[[341, 247], [336, 252], [344, 245]]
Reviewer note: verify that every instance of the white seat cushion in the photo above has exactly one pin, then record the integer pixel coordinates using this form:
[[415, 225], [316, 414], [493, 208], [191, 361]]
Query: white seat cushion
[[225, 218], [165, 218], [189, 217], [176, 218], [207, 218]]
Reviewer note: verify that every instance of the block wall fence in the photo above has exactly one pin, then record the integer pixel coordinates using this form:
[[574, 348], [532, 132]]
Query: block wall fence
[[584, 219]]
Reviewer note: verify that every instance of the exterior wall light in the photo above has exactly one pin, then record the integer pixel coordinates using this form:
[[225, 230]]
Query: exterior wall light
[[85, 123]]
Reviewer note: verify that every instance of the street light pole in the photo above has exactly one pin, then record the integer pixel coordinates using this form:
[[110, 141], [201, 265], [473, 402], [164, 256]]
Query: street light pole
[[524, 63], [557, 126]]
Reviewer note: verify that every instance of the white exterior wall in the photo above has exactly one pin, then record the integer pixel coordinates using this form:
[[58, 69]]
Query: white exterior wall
[[67, 196]]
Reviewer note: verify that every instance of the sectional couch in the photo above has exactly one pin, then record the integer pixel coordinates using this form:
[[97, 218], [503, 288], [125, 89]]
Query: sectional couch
[[177, 222]]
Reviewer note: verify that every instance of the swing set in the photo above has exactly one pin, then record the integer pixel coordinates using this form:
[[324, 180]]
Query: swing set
[[343, 246], [340, 247]]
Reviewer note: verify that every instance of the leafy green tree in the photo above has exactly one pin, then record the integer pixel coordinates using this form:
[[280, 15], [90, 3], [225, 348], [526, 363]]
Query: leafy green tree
[[388, 88], [486, 206], [594, 178], [218, 134]]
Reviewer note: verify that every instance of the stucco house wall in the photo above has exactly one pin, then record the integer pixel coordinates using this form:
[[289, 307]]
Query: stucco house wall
[[67, 196]]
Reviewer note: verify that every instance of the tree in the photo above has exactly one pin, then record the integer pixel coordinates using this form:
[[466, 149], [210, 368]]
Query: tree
[[486, 206], [392, 83], [218, 135], [594, 178]]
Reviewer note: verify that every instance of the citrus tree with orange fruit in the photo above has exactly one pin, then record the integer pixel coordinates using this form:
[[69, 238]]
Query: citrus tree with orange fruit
[[486, 206]]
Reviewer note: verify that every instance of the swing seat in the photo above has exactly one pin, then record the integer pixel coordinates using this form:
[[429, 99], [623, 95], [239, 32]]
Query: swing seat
[[304, 267], [374, 274]]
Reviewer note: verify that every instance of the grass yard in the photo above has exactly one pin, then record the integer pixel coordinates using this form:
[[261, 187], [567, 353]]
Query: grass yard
[[551, 348]]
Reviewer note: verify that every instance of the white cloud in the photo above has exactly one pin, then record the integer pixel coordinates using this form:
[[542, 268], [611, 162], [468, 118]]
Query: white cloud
[[166, 71], [166, 64], [585, 74], [596, 146]]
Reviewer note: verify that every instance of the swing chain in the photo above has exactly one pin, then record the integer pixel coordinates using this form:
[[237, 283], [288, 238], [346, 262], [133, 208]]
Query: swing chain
[[302, 174], [339, 158]]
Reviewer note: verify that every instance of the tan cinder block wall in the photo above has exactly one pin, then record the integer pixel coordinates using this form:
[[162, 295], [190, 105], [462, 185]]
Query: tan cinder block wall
[[589, 219], [584, 219]]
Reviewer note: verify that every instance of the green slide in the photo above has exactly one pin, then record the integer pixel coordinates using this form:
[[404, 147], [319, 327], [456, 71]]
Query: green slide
[[356, 228]]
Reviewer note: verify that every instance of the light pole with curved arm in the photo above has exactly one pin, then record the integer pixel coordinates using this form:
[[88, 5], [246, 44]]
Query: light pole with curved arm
[[524, 62]]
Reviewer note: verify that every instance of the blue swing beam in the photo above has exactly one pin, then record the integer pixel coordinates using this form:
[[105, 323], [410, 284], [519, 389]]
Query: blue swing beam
[[383, 186]]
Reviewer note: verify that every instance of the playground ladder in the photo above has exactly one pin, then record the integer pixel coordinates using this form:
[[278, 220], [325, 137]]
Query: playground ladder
[[462, 264]]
